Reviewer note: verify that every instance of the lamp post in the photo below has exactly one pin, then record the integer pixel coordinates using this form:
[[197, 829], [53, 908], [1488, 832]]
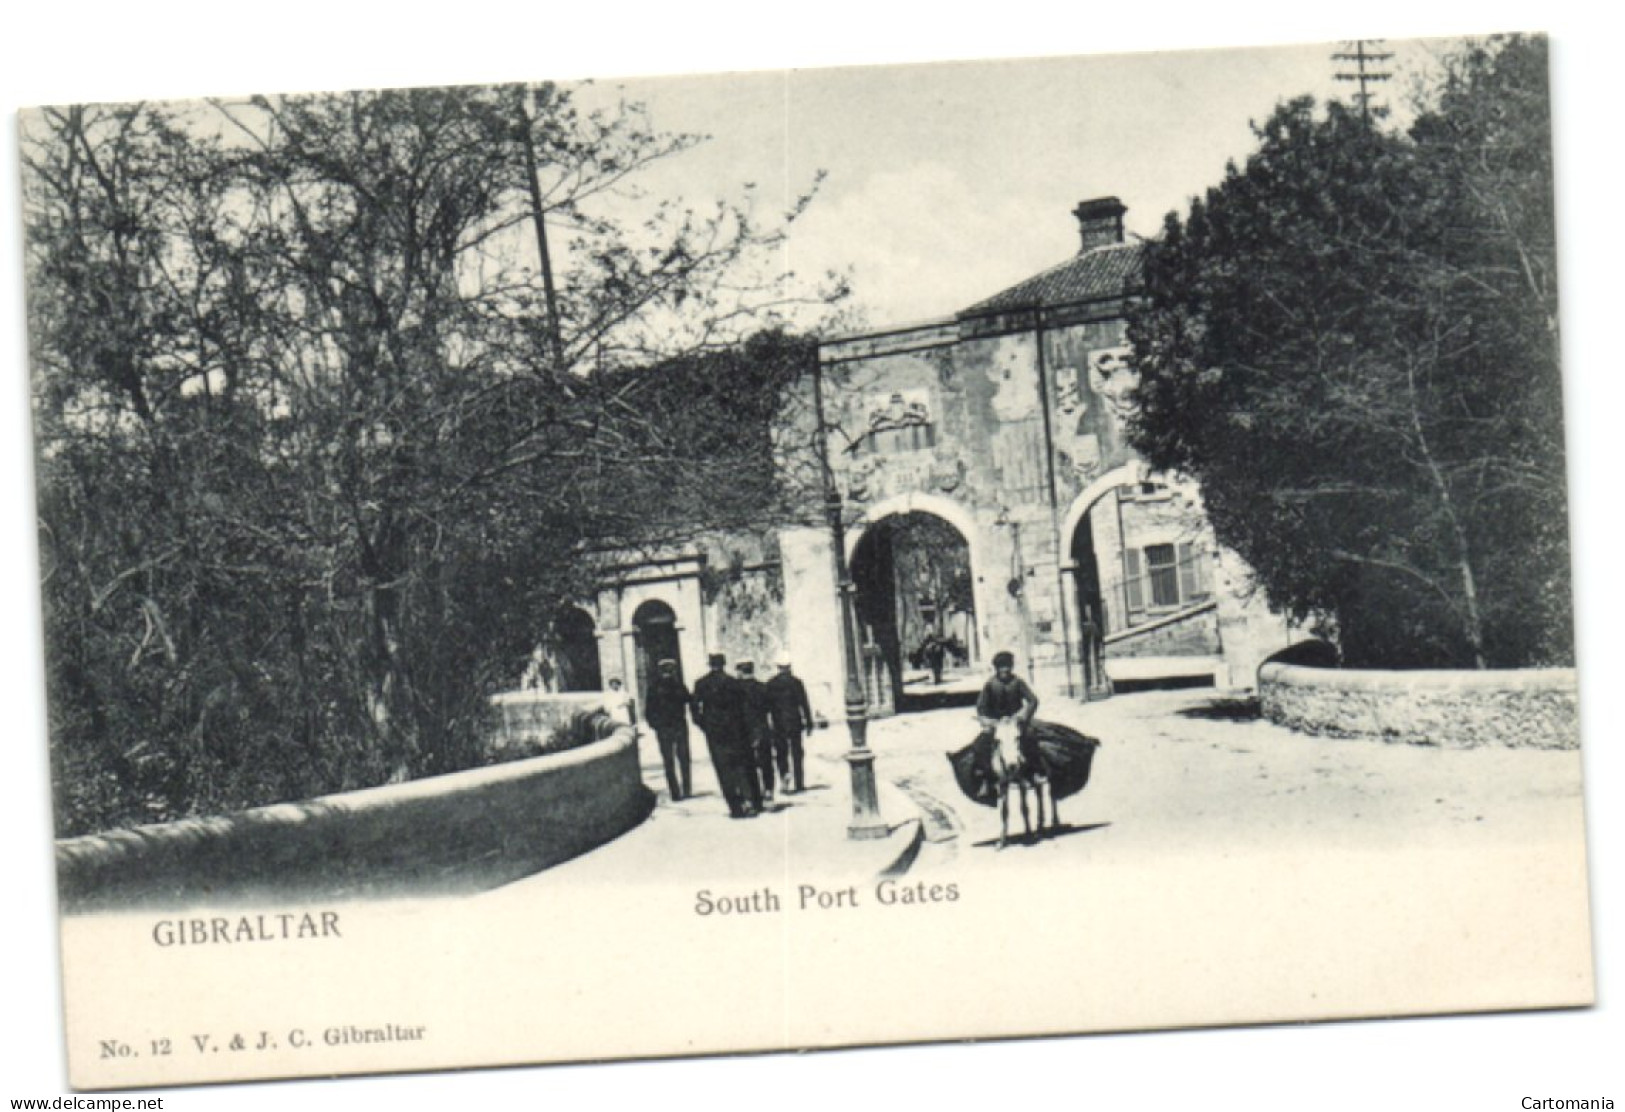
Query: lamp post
[[866, 818]]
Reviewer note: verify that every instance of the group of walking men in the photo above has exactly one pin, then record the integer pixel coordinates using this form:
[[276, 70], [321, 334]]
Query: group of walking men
[[753, 730]]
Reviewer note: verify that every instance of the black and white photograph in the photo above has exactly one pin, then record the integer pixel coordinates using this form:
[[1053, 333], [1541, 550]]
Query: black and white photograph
[[1092, 549]]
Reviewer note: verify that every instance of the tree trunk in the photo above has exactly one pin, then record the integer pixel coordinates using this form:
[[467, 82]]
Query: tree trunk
[[1472, 623]]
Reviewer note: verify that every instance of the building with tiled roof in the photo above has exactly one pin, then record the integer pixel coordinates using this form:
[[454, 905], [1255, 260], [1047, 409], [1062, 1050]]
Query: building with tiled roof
[[991, 501], [1006, 421], [1100, 274], [1106, 268]]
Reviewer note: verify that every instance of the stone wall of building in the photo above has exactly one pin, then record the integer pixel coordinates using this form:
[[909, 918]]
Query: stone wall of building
[[1535, 708], [1008, 420], [1019, 422], [1194, 633], [813, 635], [722, 592]]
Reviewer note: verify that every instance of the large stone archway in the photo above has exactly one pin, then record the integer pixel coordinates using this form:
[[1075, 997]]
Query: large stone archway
[[955, 514], [915, 577]]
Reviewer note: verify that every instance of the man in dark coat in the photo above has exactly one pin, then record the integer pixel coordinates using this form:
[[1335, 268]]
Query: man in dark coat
[[792, 717], [666, 711], [934, 652], [1006, 695], [719, 710], [758, 728]]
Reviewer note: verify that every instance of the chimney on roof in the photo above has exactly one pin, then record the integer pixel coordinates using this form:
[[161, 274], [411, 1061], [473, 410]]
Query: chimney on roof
[[1100, 222]]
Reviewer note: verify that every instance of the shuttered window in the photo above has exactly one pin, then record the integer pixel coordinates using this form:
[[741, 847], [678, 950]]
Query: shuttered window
[[1163, 577], [1162, 568]]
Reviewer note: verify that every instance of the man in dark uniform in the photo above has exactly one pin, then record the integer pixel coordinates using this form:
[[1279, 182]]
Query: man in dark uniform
[[792, 717], [719, 710], [1006, 695], [667, 713], [758, 728]]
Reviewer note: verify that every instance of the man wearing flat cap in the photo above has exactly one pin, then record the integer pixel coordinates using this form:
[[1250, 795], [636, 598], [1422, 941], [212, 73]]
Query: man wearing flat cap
[[1005, 695], [667, 714], [792, 718]]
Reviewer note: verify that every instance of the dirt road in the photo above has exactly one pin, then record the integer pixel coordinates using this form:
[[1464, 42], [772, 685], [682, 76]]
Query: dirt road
[[1198, 770]]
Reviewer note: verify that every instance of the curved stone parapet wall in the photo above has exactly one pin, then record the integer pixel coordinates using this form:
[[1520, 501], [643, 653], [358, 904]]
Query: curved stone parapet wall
[[463, 832], [1533, 708]]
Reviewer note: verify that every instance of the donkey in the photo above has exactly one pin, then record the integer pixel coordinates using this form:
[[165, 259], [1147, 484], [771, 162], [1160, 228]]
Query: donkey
[[1011, 769]]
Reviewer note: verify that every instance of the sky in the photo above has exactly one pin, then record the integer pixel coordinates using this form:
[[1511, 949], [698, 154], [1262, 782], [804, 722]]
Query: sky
[[947, 182], [935, 209]]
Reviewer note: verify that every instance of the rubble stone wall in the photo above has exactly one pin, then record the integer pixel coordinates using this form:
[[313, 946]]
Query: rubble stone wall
[[1533, 708]]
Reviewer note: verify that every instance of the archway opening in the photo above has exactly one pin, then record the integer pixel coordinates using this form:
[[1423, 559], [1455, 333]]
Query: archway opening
[[576, 651], [654, 633], [1142, 579], [916, 610]]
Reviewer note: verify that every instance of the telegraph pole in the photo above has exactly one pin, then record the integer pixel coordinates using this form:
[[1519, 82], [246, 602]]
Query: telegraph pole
[[1367, 55]]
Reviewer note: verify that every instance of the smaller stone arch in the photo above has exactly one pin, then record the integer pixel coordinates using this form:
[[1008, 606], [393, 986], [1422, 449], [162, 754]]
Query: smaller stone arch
[[565, 658], [1134, 472], [1085, 574]]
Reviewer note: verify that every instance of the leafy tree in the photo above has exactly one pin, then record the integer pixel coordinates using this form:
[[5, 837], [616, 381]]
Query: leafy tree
[[321, 442], [1351, 344], [933, 574]]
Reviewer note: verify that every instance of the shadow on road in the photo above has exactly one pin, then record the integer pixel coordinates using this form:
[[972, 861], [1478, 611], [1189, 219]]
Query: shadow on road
[[913, 702], [1226, 709], [1065, 830]]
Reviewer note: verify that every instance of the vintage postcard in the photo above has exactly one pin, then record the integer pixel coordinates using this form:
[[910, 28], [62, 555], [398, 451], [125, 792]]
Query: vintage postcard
[[553, 572]]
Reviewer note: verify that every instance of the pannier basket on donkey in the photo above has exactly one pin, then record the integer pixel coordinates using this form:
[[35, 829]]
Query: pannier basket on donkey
[[1055, 759]]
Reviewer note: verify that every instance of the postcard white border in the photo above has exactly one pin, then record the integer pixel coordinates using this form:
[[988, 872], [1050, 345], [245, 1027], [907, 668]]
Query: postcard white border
[[91, 51]]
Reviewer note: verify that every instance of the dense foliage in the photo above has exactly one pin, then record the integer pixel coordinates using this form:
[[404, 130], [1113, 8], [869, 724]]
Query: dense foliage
[[321, 443], [1351, 343]]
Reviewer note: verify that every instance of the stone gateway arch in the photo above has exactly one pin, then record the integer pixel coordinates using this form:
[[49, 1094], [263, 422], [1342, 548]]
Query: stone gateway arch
[[990, 495], [1006, 421]]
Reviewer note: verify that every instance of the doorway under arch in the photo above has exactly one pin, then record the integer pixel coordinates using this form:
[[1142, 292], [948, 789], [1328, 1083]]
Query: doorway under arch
[[654, 634], [1140, 561]]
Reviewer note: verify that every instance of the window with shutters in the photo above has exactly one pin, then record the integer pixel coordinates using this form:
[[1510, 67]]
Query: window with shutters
[[1161, 578], [1162, 572]]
